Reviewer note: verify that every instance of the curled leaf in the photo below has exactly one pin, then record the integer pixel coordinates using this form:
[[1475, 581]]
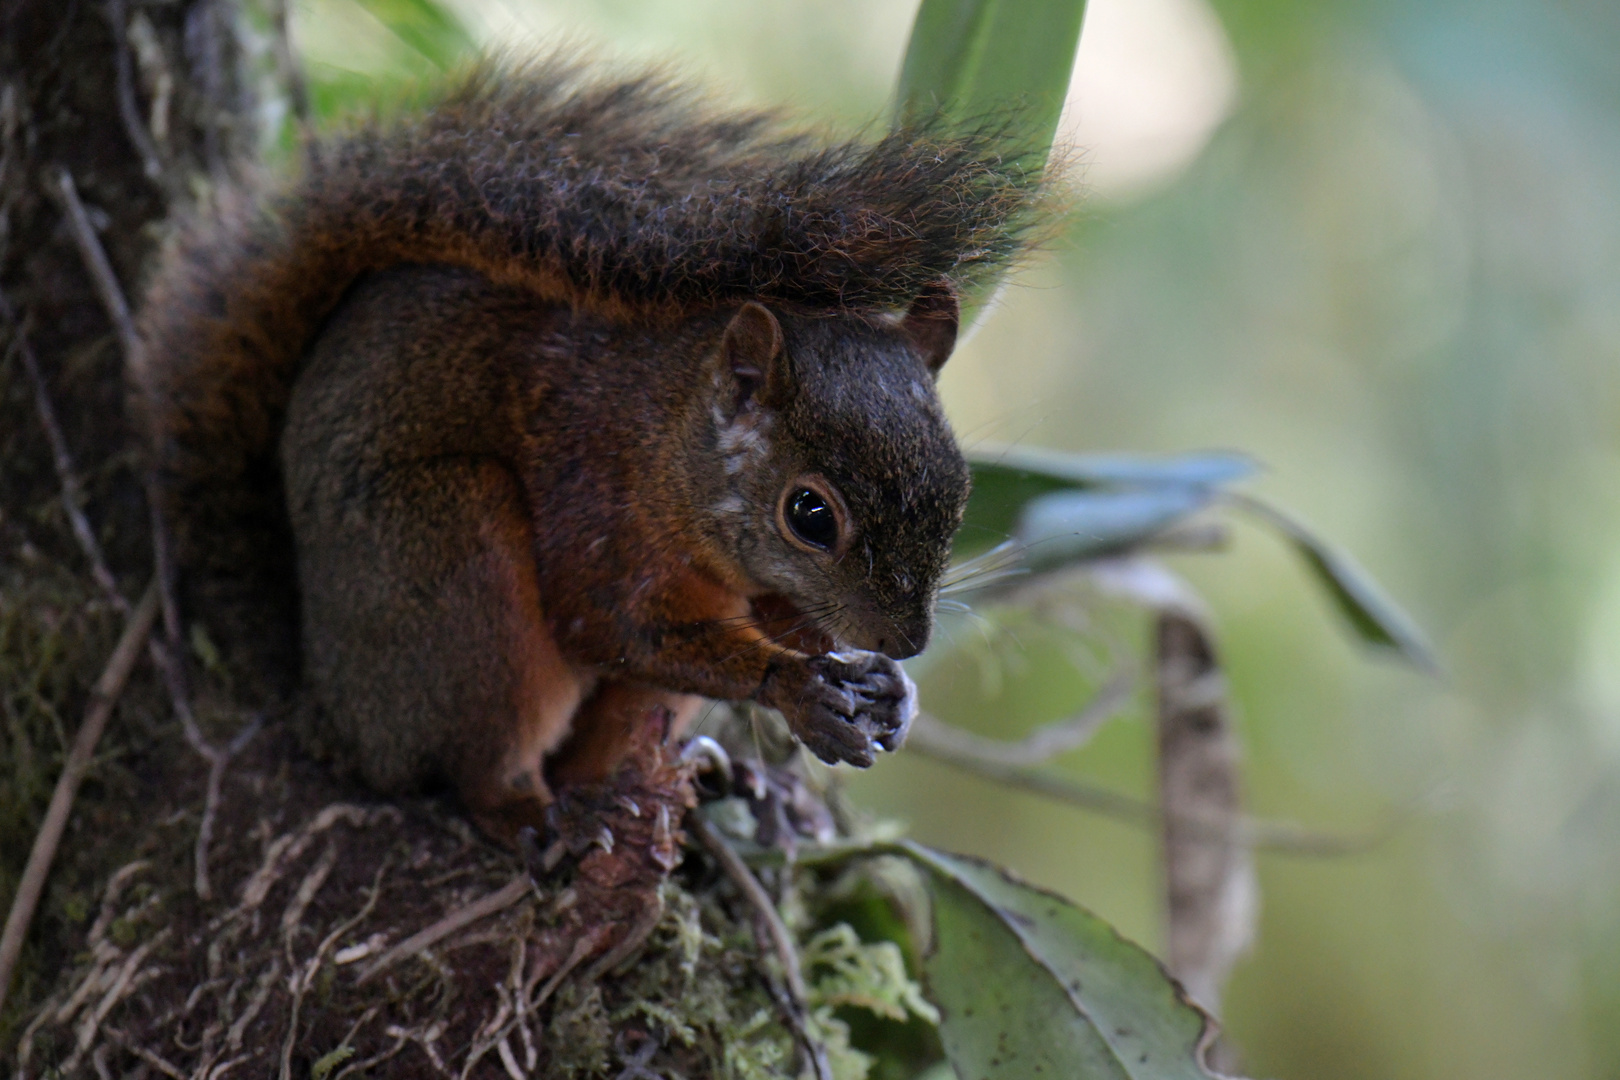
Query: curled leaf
[[1209, 469], [1374, 617], [1073, 526], [1007, 479]]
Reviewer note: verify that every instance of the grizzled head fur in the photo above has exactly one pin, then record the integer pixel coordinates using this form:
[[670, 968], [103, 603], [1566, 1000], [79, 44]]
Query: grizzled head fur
[[843, 483]]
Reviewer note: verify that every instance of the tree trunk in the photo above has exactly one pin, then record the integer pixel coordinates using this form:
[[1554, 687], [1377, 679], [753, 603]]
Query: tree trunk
[[109, 118]]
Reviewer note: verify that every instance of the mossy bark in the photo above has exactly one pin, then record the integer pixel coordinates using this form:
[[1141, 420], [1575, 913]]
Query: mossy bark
[[136, 106]]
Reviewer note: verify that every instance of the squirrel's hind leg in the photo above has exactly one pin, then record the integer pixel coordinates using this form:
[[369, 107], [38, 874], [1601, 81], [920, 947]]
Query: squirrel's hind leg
[[605, 729], [503, 752], [424, 640]]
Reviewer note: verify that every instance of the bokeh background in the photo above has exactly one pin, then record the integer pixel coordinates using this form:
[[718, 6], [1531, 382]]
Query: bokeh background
[[1377, 246]]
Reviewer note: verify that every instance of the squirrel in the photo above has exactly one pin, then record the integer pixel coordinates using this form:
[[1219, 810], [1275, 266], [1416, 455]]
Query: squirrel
[[572, 396]]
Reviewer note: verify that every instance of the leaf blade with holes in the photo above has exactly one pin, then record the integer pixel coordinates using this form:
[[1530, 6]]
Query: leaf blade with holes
[[1031, 985]]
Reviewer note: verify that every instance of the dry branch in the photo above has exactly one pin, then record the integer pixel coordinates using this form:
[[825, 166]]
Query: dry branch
[[96, 262], [62, 460], [1279, 837], [102, 699], [1211, 892]]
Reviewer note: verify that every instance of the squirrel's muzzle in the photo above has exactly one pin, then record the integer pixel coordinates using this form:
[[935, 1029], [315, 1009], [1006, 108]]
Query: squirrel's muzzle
[[898, 639]]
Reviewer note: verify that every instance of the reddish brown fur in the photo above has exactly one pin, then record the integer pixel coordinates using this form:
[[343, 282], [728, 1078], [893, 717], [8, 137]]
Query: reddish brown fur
[[500, 478]]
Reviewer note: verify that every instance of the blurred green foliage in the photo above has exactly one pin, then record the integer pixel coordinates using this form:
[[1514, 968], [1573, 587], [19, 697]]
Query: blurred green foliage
[[973, 58], [1393, 274]]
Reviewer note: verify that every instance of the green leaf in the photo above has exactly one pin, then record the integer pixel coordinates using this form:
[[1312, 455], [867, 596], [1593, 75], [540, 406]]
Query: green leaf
[[1032, 986], [1009, 479], [975, 59], [1061, 508], [1072, 526], [1376, 618], [428, 27], [993, 66], [324, 1066], [1207, 469]]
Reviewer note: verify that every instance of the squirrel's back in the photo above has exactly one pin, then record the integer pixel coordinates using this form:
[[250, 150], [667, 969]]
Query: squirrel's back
[[631, 197]]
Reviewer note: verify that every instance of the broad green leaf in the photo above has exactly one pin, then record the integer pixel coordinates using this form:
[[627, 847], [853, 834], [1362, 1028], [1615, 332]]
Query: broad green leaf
[[999, 497], [976, 59], [998, 66], [430, 28], [1030, 986], [1376, 618], [1000, 1021]]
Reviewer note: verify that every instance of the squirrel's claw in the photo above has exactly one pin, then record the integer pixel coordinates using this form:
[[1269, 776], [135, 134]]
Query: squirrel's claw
[[854, 704]]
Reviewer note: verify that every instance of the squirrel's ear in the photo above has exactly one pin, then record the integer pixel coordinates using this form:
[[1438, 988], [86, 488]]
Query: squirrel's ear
[[931, 323], [752, 351]]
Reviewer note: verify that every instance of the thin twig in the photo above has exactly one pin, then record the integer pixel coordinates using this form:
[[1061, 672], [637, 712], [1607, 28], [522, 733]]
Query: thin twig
[[935, 738], [165, 658], [96, 262], [1281, 837], [303, 982], [167, 655], [116, 304], [102, 699], [217, 761], [781, 939], [141, 1052], [499, 900], [128, 110], [290, 921], [62, 458]]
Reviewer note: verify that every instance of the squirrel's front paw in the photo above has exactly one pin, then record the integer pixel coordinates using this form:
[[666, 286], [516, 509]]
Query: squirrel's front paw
[[852, 704]]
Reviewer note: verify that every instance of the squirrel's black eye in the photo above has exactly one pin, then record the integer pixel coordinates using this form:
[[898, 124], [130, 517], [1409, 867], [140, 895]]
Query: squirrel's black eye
[[812, 520]]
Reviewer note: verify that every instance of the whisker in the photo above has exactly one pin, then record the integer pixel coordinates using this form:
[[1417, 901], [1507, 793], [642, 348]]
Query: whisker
[[998, 564], [1002, 554], [776, 639]]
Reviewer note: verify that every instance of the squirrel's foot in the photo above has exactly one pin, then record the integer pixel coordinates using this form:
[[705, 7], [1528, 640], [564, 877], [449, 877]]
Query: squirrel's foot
[[853, 704]]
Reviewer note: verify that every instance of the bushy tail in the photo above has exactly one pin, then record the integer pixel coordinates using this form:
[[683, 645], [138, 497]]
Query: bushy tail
[[629, 196]]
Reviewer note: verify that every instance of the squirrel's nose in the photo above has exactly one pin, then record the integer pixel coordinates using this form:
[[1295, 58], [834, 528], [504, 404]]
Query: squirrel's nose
[[906, 639]]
